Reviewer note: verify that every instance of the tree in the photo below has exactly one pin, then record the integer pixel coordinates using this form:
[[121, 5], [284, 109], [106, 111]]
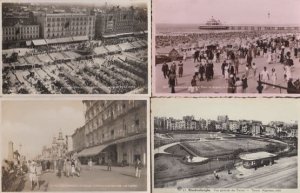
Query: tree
[[271, 148]]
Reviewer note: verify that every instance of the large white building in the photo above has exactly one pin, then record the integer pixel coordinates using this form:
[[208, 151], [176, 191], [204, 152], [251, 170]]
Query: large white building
[[58, 25]]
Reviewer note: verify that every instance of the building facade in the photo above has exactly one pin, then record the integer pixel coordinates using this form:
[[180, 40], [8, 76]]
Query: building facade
[[78, 139], [57, 150], [19, 33], [115, 130], [234, 126], [118, 21], [58, 25]]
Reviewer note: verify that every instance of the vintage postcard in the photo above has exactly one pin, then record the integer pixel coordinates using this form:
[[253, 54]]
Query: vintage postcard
[[75, 145], [218, 143], [228, 47], [75, 47]]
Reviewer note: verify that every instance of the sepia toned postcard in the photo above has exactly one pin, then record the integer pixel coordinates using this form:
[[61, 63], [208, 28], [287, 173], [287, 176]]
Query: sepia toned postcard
[[232, 47], [75, 145], [209, 144], [75, 47]]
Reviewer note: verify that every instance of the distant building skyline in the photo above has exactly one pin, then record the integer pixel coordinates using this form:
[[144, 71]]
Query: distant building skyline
[[262, 109], [223, 120]]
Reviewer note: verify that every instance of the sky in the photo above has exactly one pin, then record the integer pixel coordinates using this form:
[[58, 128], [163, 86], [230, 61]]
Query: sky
[[263, 109], [227, 11], [33, 124]]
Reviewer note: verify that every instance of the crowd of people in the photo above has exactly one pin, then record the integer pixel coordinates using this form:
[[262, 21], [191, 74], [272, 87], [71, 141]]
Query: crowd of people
[[231, 52]]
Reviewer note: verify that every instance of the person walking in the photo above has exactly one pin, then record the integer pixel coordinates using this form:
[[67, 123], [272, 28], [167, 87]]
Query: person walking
[[238, 85], [244, 83], [180, 69], [32, 174], [226, 71], [68, 167], [138, 168], [236, 65], [231, 84], [223, 68], [165, 70], [196, 56], [273, 77], [201, 71], [73, 169], [254, 70], [193, 87], [109, 163], [172, 81], [173, 68], [264, 76], [90, 163]]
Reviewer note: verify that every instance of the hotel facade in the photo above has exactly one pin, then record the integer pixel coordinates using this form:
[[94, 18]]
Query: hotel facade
[[115, 130], [58, 25]]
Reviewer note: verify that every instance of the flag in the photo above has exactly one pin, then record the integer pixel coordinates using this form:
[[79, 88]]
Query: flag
[[67, 24], [18, 31]]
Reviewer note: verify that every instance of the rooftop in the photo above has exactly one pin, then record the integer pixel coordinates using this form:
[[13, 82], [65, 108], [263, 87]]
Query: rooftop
[[256, 156]]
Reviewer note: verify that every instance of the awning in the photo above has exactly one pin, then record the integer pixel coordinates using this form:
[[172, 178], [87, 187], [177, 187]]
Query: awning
[[39, 42], [92, 151], [131, 138], [80, 38], [51, 41], [126, 46], [113, 48], [100, 50], [98, 149], [117, 35], [136, 44], [64, 40]]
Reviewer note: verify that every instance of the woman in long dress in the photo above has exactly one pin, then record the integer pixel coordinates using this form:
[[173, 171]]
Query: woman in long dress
[[273, 77], [269, 58], [226, 75], [288, 72]]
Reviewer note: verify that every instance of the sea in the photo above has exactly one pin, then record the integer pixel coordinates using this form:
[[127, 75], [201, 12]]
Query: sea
[[167, 29]]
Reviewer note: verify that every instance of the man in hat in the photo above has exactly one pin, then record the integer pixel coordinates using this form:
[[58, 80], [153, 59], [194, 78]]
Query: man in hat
[[165, 69], [180, 69]]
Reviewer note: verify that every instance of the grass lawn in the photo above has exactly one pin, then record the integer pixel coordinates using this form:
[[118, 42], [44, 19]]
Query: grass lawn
[[168, 168], [216, 148]]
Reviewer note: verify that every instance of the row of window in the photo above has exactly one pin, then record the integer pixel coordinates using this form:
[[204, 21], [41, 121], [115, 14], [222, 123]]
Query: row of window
[[73, 28], [22, 37], [23, 27], [117, 108], [16, 32], [99, 137], [73, 33], [71, 23], [84, 18]]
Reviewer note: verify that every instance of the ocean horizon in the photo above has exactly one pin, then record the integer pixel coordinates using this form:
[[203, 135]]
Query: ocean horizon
[[194, 28]]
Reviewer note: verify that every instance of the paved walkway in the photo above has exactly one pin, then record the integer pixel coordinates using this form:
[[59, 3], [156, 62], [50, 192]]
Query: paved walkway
[[219, 84], [97, 179]]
